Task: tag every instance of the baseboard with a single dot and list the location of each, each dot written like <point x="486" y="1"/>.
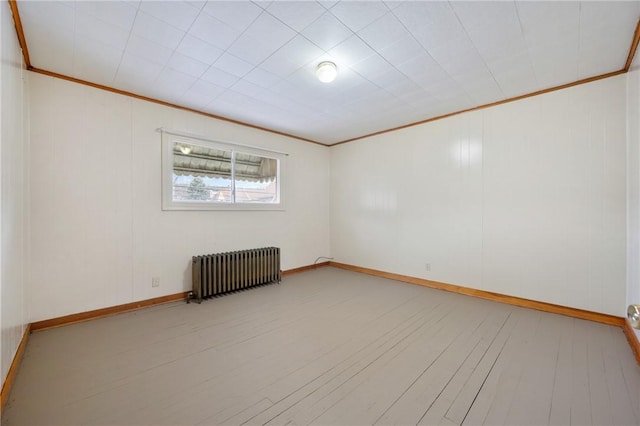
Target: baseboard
<point x="104" y="312"/>
<point x="496" y="297"/>
<point x="632" y="337"/>
<point x="11" y="375"/>
<point x="304" y="268"/>
<point x="127" y="307"/>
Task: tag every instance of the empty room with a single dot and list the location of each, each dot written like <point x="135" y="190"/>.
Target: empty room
<point x="319" y="212"/>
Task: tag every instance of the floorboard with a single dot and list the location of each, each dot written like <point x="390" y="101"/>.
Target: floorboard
<point x="330" y="347"/>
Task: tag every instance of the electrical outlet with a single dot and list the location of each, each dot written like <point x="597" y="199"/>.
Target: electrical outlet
<point x="155" y="282"/>
<point x="427" y="267"/>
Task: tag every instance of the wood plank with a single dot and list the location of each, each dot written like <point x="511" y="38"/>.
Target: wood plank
<point x="419" y="398"/>
<point x="622" y="402"/>
<point x="560" y="410"/>
<point x="365" y="397"/>
<point x="496" y="297"/>
<point x="457" y="397"/>
<point x="600" y="399"/>
<point x="531" y="400"/>
<point x="492" y="399"/>
<point x="580" y="403"/>
<point x="328" y="346"/>
<point x="312" y="400"/>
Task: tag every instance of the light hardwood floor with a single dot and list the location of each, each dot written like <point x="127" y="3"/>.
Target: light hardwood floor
<point x="329" y="347"/>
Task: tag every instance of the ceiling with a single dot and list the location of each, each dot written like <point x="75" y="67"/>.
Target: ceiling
<point x="398" y="62"/>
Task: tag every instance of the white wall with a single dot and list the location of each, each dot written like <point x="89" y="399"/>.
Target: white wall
<point x="524" y="199"/>
<point x="633" y="184"/>
<point x="98" y="232"/>
<point x="14" y="226"/>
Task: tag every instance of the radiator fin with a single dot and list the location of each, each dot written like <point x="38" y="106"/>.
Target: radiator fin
<point x="215" y="274"/>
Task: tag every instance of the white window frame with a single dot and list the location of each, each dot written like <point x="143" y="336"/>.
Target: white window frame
<point x="169" y="138"/>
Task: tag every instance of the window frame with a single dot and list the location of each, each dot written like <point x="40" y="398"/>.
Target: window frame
<point x="168" y="141"/>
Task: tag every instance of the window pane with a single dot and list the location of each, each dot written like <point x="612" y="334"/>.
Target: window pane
<point x="256" y="179"/>
<point x="201" y="174"/>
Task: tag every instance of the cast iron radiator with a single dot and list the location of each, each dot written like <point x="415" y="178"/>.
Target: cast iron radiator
<point x="220" y="273"/>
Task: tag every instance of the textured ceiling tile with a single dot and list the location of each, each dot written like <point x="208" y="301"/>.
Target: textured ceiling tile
<point x="90" y="27"/>
<point x="251" y="49"/>
<point x="233" y="65"/>
<point x="213" y="31"/>
<point x="544" y="22"/>
<point x="174" y="82"/>
<point x="121" y="14"/>
<point x="351" y="51"/>
<point x="392" y="4"/>
<point x="444" y="89"/>
<point x="219" y="77"/>
<point x="270" y="30"/>
<point x="405" y="86"/>
<point x="187" y="65"/>
<point x="136" y="72"/>
<point x="52" y="50"/>
<point x="457" y="55"/>
<point x="262" y="78"/>
<point x="51" y="16"/>
<point x="236" y="14"/>
<point x="297" y="15"/>
<point x="207" y="89"/>
<point x="234" y="98"/>
<point x="146" y="49"/>
<point x="300" y="51"/>
<point x="263" y="4"/>
<point x="372" y="66"/>
<point x="358" y="14"/>
<point x="397" y="61"/>
<point x="278" y="65"/>
<point x="327" y="32"/>
<point x="431" y="23"/>
<point x="328" y="3"/>
<point x="103" y="63"/>
<point x="516" y="67"/>
<point x="402" y="51"/>
<point x="158" y="31"/>
<point x="480" y="16"/>
<point x="595" y="13"/>
<point x="416" y="97"/>
<point x="252" y="90"/>
<point x="198" y="49"/>
<point x="195" y="99"/>
<point x="498" y="45"/>
<point x="175" y="13"/>
<point x="384" y="32"/>
<point x="388" y="78"/>
<point x="422" y="67"/>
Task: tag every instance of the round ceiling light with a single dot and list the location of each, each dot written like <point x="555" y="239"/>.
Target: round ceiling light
<point x="326" y="71"/>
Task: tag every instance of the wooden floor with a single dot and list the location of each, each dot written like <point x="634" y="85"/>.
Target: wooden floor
<point x="329" y="347"/>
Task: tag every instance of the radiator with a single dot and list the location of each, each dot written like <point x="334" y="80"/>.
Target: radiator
<point x="220" y="273"/>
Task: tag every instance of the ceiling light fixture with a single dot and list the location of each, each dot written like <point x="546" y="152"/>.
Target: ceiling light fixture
<point x="326" y="71"/>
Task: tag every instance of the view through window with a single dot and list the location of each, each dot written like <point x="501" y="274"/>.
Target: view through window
<point x="207" y="174"/>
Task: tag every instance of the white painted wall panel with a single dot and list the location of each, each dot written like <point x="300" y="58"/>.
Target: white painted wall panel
<point x="99" y="234"/>
<point x="525" y="199"/>
<point x="633" y="184"/>
<point x="14" y="226"/>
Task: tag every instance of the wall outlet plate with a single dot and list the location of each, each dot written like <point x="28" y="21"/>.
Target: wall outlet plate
<point x="155" y="282"/>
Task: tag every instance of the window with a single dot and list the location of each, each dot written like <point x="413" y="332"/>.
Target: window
<point x="199" y="174"/>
